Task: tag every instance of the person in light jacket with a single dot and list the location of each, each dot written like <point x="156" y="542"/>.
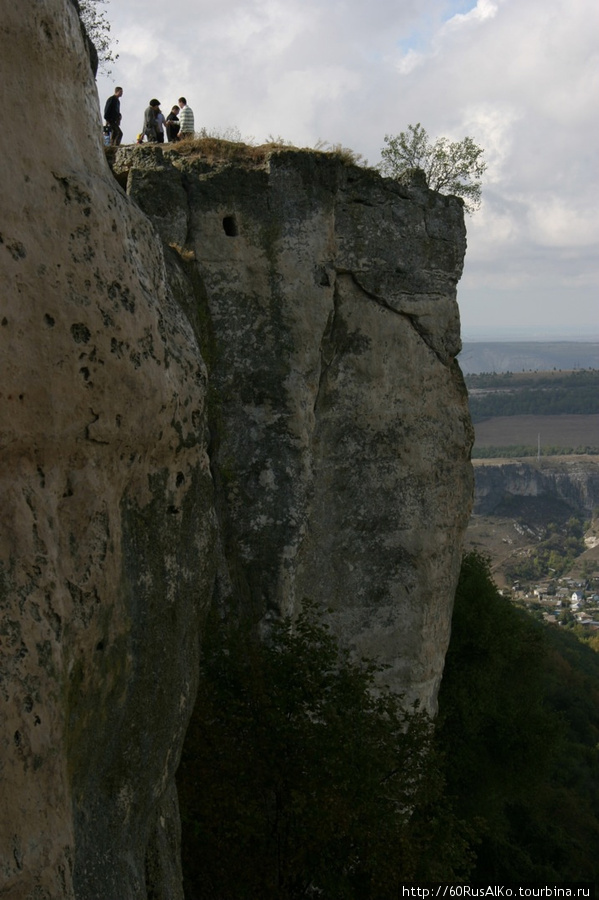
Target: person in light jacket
<point x="150" y="124"/>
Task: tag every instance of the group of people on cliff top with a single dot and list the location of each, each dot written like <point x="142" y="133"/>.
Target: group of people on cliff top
<point x="177" y="126"/>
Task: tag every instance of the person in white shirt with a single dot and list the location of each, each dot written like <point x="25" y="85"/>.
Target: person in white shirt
<point x="186" y="123"/>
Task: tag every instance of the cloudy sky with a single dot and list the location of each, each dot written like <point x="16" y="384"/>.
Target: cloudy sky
<point x="521" y="77"/>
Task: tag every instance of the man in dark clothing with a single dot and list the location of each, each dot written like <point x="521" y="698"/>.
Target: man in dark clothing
<point x="172" y="124"/>
<point x="112" y="116"/>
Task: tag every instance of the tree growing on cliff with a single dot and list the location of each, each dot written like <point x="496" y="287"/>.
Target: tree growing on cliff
<point x="98" y="30"/>
<point x="451" y="167"/>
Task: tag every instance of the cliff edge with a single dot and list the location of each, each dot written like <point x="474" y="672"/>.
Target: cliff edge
<point x="233" y="383"/>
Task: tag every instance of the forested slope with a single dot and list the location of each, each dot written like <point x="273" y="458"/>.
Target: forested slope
<point x="297" y="781"/>
<point x="519" y="713"/>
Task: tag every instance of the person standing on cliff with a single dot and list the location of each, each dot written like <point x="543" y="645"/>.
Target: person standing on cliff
<point x="150" y="125"/>
<point x="160" y="122"/>
<point x="186" y="123"/>
<point x="112" y="116"/>
<point x="172" y="124"/>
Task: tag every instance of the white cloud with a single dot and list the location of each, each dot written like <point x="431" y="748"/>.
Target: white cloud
<point x="556" y="223"/>
<point x="484" y="9"/>
<point x="519" y="76"/>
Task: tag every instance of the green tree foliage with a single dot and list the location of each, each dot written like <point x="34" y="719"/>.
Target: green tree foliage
<point x="98" y="30"/>
<point x="451" y="167"/>
<point x="299" y="779"/>
<point x="519" y="718"/>
<point x="572" y="381"/>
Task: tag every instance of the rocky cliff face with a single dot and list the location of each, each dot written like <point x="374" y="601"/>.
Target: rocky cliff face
<point x="576" y="482"/>
<point x="106" y="497"/>
<point x="234" y="385"/>
<point x="339" y="434"/>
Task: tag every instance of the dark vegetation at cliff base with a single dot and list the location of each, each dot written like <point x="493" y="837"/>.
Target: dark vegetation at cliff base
<point x="519" y="722"/>
<point x="298" y="781"/>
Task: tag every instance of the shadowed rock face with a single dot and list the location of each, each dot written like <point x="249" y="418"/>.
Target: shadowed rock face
<point x="105" y="495"/>
<point x="235" y="384"/>
<point x="340" y="431"/>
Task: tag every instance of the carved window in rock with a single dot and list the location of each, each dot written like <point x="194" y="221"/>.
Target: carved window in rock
<point x="230" y="226"/>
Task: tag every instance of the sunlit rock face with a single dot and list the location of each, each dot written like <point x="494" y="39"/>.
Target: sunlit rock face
<point x="234" y="383"/>
<point x="105" y="495"/>
<point x="340" y="430"/>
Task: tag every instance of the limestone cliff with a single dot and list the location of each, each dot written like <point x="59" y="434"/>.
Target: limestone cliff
<point x="106" y="499"/>
<point x="235" y="384"/>
<point x="340" y="434"/>
<point x="574" y="481"/>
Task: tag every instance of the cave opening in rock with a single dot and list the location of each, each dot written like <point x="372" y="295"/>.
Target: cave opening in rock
<point x="230" y="226"/>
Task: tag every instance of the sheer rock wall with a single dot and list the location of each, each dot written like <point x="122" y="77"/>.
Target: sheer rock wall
<point x="105" y="495"/>
<point x="236" y="383"/>
<point x="340" y="433"/>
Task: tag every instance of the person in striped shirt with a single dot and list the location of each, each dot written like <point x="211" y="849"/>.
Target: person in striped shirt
<point x="186" y="124"/>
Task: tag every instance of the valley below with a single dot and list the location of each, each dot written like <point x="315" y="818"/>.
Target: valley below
<point x="513" y="531"/>
<point x="536" y="465"/>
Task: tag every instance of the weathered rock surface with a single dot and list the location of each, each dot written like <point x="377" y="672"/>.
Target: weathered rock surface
<point x="249" y="395"/>
<point x="105" y="495"/>
<point x="574" y="481"/>
<point x="340" y="433"/>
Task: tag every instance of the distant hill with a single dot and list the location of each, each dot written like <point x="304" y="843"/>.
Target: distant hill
<point x="524" y="356"/>
<point x="552" y="393"/>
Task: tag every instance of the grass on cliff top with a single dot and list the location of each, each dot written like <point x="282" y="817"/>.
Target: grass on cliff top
<point x="216" y="149"/>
